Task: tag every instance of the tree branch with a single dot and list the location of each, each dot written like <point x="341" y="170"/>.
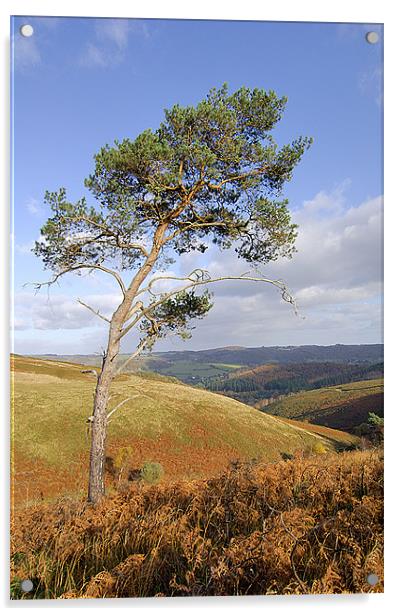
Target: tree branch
<point x="241" y="176"/>
<point x="107" y="232"/>
<point x="192" y="225"/>
<point x="197" y="278"/>
<point x="120" y="404"/>
<point x="200" y="277"/>
<point x="96" y="312"/>
<point x="76" y="267"/>
<point x="138" y="350"/>
<point x="195" y="275"/>
<point x="143" y="311"/>
<point x="285" y="293"/>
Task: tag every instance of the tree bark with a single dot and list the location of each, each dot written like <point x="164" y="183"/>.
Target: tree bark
<point x="99" y="425"/>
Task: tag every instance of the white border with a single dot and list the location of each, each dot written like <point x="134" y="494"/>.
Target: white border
<point x="308" y="10"/>
<point x="290" y="10"/>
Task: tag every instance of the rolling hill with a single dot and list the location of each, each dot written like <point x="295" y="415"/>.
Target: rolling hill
<point x="191" y="432"/>
<point x="259" y="385"/>
<point x="341" y="407"/>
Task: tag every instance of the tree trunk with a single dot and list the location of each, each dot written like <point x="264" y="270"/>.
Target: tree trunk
<point x="99" y="424"/>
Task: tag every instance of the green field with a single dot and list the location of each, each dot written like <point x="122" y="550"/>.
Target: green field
<point x="193" y="371"/>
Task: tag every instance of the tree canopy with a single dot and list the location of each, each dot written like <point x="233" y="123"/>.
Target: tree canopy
<point x="210" y="173"/>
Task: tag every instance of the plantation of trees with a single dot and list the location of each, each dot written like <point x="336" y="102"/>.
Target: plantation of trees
<point x="249" y="386"/>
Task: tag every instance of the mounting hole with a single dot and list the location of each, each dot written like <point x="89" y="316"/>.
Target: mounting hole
<point x="26" y="30"/>
<point x="372" y="579"/>
<point x="26" y="585"/>
<point x="372" y="37"/>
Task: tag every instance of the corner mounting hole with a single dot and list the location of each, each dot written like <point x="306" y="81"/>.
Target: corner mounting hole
<point x="372" y="37"/>
<point x="372" y="579"/>
<point x="26" y="30"/>
<point x="26" y="585"/>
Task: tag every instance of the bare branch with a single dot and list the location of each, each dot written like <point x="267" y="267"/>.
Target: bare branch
<point x="132" y="324"/>
<point x="195" y="275"/>
<point x="76" y="267"/>
<point x="202" y="277"/>
<point x="91" y="418"/>
<point x="196" y="278"/>
<point x="96" y="312"/>
<point x="120" y="404"/>
<point x="137" y="352"/>
<point x="138" y="395"/>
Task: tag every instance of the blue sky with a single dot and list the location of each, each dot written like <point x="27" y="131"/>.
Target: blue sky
<point x="80" y="83"/>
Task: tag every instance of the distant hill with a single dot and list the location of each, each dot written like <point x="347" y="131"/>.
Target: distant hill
<point x="195" y="367"/>
<point x="372" y="353"/>
<point x="342" y="407"/>
<point x="259" y="385"/>
<point x="191" y="432"/>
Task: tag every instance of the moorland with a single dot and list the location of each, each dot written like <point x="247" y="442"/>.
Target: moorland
<point x="205" y="494"/>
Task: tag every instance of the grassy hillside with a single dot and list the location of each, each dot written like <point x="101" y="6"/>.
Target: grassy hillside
<point x="191" y="432"/>
<point x="343" y="407"/>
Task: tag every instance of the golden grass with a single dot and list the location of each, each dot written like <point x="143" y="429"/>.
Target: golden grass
<point x="309" y="525"/>
<point x="192" y="432"/>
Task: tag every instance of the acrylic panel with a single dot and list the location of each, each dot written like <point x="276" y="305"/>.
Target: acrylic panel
<point x="197" y="349"/>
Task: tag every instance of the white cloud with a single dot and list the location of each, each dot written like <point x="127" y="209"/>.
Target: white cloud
<point x="77" y="237"/>
<point x="318" y="295"/>
<point x="336" y="277"/>
<point x="111" y="39"/>
<point x="326" y="204"/>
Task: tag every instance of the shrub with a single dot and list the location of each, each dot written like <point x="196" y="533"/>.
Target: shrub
<point x="375" y="420"/>
<point x="319" y="448"/>
<point x="152" y="472"/>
